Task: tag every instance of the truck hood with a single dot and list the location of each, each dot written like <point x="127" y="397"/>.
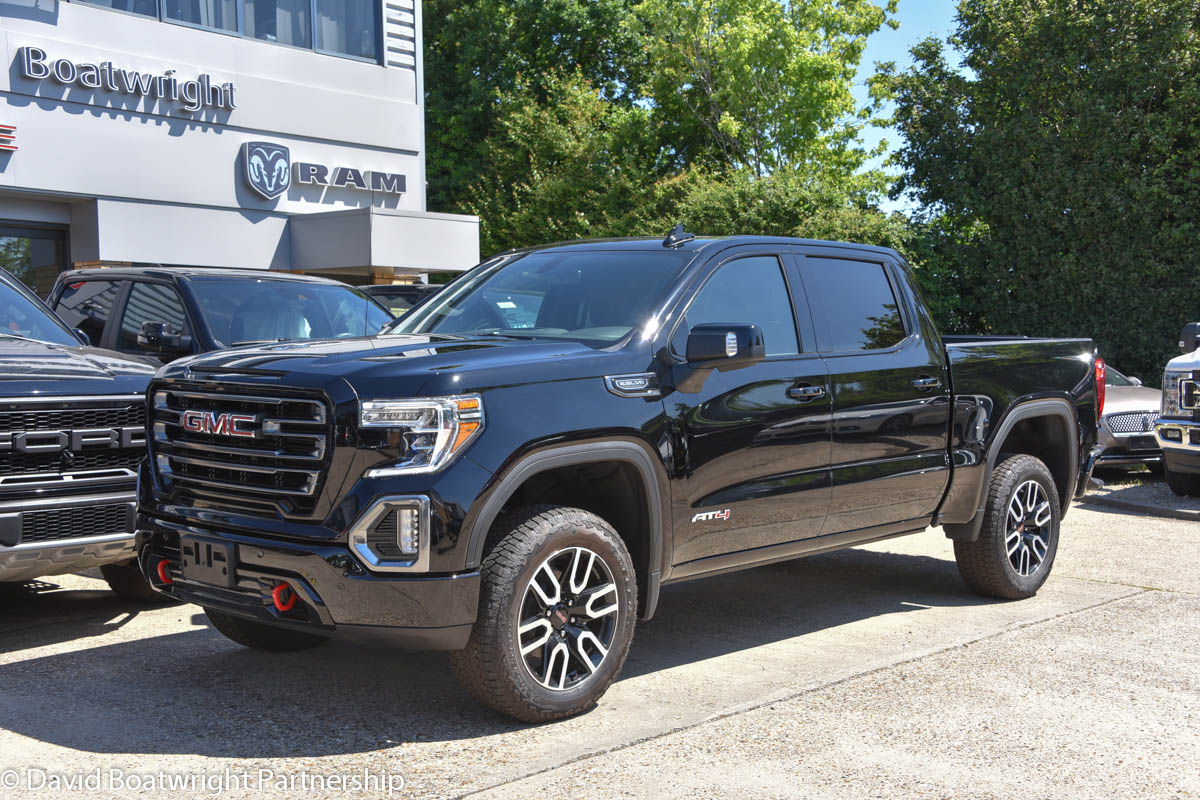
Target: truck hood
<point x="1124" y="399"/>
<point x="402" y="365"/>
<point x="1186" y="361"/>
<point x="30" y="368"/>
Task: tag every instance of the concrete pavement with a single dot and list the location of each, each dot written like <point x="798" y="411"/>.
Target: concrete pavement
<point x="869" y="672"/>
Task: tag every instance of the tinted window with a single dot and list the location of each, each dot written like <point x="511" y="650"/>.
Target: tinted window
<point x="220" y="15"/>
<point x="749" y="290"/>
<point x="852" y="304"/>
<point x="150" y="302"/>
<point x="593" y="297"/>
<point x="347" y="26"/>
<point x="21" y="315"/>
<point x="246" y="310"/>
<point x="148" y="8"/>
<point x="283" y="21"/>
<point x="87" y="305"/>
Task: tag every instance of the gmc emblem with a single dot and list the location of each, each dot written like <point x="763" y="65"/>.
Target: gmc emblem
<point x="220" y="424"/>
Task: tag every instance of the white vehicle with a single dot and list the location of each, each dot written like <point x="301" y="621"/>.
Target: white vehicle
<point x="1178" y="426"/>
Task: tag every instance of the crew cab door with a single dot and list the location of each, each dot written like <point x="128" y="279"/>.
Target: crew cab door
<point x="752" y="443"/>
<point x="890" y="387"/>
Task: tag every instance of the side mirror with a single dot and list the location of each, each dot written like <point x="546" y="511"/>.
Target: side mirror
<point x="725" y="346"/>
<point x="1134" y="381"/>
<point x="1189" y="339"/>
<point x="154" y="336"/>
<point x="83" y="338"/>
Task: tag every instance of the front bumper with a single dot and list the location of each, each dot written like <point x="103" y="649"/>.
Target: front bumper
<point x="335" y="595"/>
<point x="81" y="532"/>
<point x="1180" y="442"/>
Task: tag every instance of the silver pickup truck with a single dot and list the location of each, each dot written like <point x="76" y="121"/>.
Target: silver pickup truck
<point x="1178" y="426"/>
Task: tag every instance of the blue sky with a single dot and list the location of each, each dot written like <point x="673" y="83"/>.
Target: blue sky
<point x="918" y="19"/>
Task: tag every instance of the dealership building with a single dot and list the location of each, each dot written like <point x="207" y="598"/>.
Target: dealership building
<point x="273" y="134"/>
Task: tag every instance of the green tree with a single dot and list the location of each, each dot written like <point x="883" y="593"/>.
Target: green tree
<point x="480" y="51"/>
<point x="759" y="84"/>
<point x="1058" y="170"/>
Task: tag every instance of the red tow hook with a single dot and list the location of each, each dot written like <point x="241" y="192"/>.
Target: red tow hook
<point x="283" y="597"/>
<point x="163" y="570"/>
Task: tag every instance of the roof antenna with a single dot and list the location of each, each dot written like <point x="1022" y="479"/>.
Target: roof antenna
<point x="677" y="236"/>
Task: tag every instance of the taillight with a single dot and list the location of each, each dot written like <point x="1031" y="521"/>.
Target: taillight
<point x="1100" y="384"/>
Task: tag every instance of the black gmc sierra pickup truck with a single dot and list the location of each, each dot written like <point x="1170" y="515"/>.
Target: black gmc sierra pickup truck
<point x="72" y="433"/>
<point x="517" y="466"/>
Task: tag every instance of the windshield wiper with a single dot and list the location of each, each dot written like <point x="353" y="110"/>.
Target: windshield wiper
<point x="502" y="332"/>
<point x="259" y="341"/>
<point x="11" y="335"/>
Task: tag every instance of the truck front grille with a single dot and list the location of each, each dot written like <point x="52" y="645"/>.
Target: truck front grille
<point x="81" y="522"/>
<point x="251" y="453"/>
<point x="1132" y="422"/>
<point x="70" y="444"/>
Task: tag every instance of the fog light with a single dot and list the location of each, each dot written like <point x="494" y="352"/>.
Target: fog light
<point x="393" y="534"/>
<point x="1172" y="434"/>
<point x="408" y="530"/>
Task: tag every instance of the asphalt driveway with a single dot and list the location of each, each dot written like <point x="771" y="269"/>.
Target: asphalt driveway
<point x="870" y="672"/>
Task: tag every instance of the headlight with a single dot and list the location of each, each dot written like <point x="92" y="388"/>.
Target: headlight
<point x="1170" y="393"/>
<point x="431" y="429"/>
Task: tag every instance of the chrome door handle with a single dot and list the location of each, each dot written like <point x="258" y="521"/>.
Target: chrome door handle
<point x="925" y="384"/>
<point x="806" y="393"/>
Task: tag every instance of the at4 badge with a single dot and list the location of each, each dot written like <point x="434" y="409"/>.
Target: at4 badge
<point x="711" y="515"/>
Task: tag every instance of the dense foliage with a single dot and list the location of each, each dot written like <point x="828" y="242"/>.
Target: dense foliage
<point x="1058" y="171"/>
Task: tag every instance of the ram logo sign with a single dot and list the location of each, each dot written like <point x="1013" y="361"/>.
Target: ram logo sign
<point x="268" y="168"/>
<point x="711" y="515"/>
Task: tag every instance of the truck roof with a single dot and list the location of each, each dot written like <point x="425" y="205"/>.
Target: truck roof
<point x="695" y="244"/>
<point x="159" y="271"/>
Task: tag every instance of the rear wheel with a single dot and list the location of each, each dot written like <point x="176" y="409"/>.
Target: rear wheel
<point x="259" y="635"/>
<point x="557" y="608"/>
<point x="127" y="582"/>
<point x="1018" y="540"/>
<point x="1184" y="484"/>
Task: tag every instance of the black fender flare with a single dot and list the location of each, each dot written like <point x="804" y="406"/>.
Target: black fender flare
<point x="574" y="455"/>
<point x="1046" y="407"/>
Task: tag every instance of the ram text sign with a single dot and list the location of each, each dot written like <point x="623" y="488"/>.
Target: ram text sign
<point x="268" y="170"/>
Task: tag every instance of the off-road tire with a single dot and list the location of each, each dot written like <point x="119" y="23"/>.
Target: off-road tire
<point x="491" y="667"/>
<point x="261" y="636"/>
<point x="1184" y="484"/>
<point x="984" y="563"/>
<point x="126" y="580"/>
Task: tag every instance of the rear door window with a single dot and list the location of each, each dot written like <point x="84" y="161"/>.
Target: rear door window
<point x="87" y="305"/>
<point x="150" y="302"/>
<point x="853" y="305"/>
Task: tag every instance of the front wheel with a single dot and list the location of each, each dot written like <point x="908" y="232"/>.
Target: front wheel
<point x="1018" y="540"/>
<point x="1184" y="484"/>
<point x="557" y="608"/>
<point x="259" y="635"/>
<point x="127" y="582"/>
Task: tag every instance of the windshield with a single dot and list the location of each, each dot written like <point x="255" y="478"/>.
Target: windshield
<point x="1114" y="378"/>
<point x="593" y="297"/>
<point x="247" y="310"/>
<point x="22" y="316"/>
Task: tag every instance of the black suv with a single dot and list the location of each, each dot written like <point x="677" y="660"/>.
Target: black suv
<point x="168" y="312"/>
<point x="72" y="433"/>
<point x="517" y="466"/>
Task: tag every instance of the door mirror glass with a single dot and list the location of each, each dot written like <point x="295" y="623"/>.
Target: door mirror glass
<point x="724" y="346"/>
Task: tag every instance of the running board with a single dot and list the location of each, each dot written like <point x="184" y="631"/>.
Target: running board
<point x="743" y="559"/>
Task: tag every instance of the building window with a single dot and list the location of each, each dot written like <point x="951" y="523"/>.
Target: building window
<point x="219" y="15"/>
<point x="147" y="8"/>
<point x="348" y="27"/>
<point x="34" y="255"/>
<point x="282" y="21"/>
